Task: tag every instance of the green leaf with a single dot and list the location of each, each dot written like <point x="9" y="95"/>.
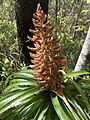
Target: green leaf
<point x="26" y="108"/>
<point x="73" y="113"/>
<point x="82" y="95"/>
<point x="86" y="87"/>
<point x="12" y="88"/>
<point x="8" y="115"/>
<point x="34" y="109"/>
<point x="78" y="109"/>
<point x="16" y="99"/>
<point x="58" y="108"/>
<point x="17" y="83"/>
<point x="51" y="113"/>
<point x="67" y="111"/>
<point x="41" y="116"/>
<point x="23" y="81"/>
<point x="30" y="71"/>
<point x="23" y="75"/>
<point x="76" y="74"/>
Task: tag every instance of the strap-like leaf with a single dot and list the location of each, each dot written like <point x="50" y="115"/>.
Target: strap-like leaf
<point x="79" y="110"/>
<point x="16" y="99"/>
<point x="41" y="116"/>
<point x="76" y="74"/>
<point x="51" y="113"/>
<point x="25" y="110"/>
<point x="82" y="95"/>
<point x="34" y="109"/>
<point x="23" y="75"/>
<point x="58" y="108"/>
<point x="17" y="83"/>
<point x="30" y="71"/>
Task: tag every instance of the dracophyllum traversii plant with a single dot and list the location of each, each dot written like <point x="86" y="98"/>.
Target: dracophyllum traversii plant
<point x="46" y="91"/>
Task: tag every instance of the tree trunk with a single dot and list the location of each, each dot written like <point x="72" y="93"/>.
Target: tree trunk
<point x="84" y="57"/>
<point x="24" y="10"/>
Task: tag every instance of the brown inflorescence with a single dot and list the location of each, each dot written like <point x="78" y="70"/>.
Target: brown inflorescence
<point x="48" y="62"/>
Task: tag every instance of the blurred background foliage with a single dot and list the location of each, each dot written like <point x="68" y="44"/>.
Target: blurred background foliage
<point x="71" y="23"/>
<point x="8" y="41"/>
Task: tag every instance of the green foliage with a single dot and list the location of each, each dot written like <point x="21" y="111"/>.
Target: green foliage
<point x="22" y="99"/>
<point x="71" y="26"/>
<point x="8" y="42"/>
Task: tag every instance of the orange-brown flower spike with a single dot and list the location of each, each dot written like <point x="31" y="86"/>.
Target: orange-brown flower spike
<point x="48" y="63"/>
